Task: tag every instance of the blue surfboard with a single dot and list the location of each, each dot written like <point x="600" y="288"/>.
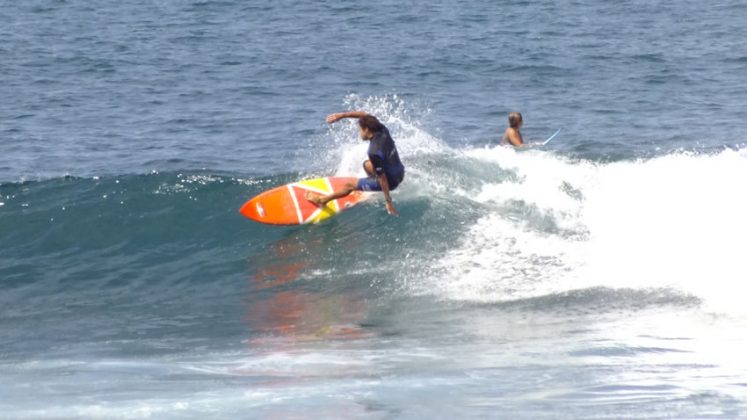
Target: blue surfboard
<point x="530" y="146"/>
<point x="551" y="137"/>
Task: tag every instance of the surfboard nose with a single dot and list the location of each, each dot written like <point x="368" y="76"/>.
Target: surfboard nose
<point x="254" y="210"/>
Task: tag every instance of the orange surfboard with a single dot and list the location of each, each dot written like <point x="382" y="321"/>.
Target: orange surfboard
<point x="286" y="205"/>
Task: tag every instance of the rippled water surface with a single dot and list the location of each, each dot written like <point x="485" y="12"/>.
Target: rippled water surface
<point x="600" y="276"/>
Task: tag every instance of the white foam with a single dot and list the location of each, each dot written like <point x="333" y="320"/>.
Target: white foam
<point x="411" y="140"/>
<point x="676" y="221"/>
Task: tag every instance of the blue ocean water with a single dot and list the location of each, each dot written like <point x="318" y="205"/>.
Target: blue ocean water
<point x="599" y="277"/>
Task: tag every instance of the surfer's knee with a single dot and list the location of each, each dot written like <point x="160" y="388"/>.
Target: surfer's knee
<point x="368" y="167"/>
<point x="350" y="187"/>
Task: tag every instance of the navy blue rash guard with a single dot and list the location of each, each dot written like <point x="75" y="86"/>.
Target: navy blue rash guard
<point x="385" y="159"/>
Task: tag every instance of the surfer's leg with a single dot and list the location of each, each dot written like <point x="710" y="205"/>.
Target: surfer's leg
<point x="367" y="184"/>
<point x="324" y="199"/>
<point x="371" y="183"/>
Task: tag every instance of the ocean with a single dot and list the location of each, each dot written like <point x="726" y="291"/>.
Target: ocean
<point x="598" y="277"/>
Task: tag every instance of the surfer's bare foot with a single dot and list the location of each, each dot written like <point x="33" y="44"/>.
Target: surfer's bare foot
<point x="314" y="198"/>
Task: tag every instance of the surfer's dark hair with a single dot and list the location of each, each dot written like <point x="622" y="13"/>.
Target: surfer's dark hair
<point x="514" y="119"/>
<point x="370" y="123"/>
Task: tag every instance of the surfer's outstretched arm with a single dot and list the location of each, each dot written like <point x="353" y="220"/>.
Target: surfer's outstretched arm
<point x="332" y="118"/>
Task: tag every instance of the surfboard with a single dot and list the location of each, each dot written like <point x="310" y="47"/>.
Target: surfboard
<point x="538" y="145"/>
<point x="286" y="205"/>
<point x="551" y="137"/>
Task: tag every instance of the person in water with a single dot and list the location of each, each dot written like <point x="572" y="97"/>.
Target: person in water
<point x="512" y="135"/>
<point x="385" y="170"/>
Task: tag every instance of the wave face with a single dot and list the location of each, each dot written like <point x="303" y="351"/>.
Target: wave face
<point x="519" y="223"/>
<point x="152" y="284"/>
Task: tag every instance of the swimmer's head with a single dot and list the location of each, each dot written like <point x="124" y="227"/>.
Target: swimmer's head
<point x="515" y="120"/>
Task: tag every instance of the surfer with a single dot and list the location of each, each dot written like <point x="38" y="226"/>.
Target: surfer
<point x="383" y="167"/>
<point x="512" y="135"/>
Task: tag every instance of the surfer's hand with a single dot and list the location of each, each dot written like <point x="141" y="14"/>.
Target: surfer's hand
<point x="390" y="209"/>
<point x="332" y="118"/>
